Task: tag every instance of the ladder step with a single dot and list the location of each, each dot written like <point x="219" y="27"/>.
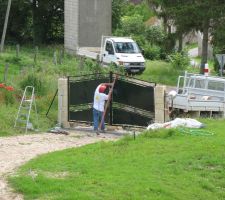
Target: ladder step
<point x="23" y="115"/>
<point x="21" y="121"/>
<point x="27" y="100"/>
<point x="22" y="127"/>
<point x="25" y="107"/>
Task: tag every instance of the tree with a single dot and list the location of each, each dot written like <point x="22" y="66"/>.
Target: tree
<point x="117" y="13"/>
<point x="192" y="15"/>
<point x="37" y="20"/>
<point x="47" y="20"/>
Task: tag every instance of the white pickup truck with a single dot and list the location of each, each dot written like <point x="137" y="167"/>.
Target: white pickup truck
<point x="118" y="51"/>
<point x="199" y="94"/>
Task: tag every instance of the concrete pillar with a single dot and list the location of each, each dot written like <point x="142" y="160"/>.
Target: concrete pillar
<point x="161" y="114"/>
<point x="63" y="103"/>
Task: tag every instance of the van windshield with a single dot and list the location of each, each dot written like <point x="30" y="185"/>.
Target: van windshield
<point x="126" y="47"/>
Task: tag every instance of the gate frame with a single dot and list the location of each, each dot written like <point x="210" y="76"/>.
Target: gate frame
<point x="161" y="112"/>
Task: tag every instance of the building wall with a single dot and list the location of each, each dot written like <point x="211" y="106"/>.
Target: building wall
<point x="85" y="22"/>
<point x="71" y="24"/>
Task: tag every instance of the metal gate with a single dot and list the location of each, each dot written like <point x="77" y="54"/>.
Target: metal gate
<point x="132" y="101"/>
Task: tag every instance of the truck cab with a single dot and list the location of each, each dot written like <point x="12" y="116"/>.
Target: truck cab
<point x="122" y="52"/>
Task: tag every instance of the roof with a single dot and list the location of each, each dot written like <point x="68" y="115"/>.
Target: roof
<point x="121" y="39"/>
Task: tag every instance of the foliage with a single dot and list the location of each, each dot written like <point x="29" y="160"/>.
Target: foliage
<point x="7" y="95"/>
<point x="118" y="70"/>
<point x="138" y="9"/>
<point x="23" y="71"/>
<point x="152" y="52"/>
<point x="117" y="13"/>
<point x="91" y="66"/>
<point x="199" y="18"/>
<point x="36" y="81"/>
<point x="41" y="21"/>
<point x="179" y="60"/>
<point x="218" y="39"/>
<point x="132" y="25"/>
<point x="163" y="164"/>
<point x="155" y="35"/>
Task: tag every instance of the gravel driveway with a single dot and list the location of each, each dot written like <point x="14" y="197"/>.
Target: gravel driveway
<point x="15" y="151"/>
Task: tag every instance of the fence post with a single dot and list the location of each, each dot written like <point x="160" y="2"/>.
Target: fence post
<point x="55" y="58"/>
<point x="61" y="55"/>
<point x="35" y="54"/>
<point x="81" y="62"/>
<point x="17" y="50"/>
<point x="6" y="72"/>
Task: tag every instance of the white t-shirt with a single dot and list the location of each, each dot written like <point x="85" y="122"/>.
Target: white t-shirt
<point x="99" y="100"/>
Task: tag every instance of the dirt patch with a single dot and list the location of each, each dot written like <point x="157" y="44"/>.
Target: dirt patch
<point x="15" y="151"/>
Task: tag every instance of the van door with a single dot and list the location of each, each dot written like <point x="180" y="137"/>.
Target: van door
<point x="109" y="53"/>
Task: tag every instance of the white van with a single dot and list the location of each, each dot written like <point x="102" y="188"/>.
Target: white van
<point x="119" y="51"/>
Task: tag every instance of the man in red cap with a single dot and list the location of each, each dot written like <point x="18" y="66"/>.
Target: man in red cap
<point x="98" y="106"/>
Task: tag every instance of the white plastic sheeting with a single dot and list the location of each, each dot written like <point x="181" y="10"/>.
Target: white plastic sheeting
<point x="184" y="122"/>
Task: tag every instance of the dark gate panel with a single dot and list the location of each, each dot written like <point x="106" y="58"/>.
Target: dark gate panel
<point x="80" y="96"/>
<point x="132" y="102"/>
<point x="134" y="94"/>
<point x="122" y="117"/>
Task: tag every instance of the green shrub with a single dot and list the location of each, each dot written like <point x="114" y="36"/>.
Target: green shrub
<point x="36" y="81"/>
<point x="9" y="97"/>
<point x="179" y="60"/>
<point x="155" y="35"/>
<point x="117" y="69"/>
<point x="7" y="94"/>
<point x="91" y="66"/>
<point x="152" y="52"/>
<point x="132" y="25"/>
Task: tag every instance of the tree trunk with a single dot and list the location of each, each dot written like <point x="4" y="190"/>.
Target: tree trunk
<point x="38" y="26"/>
<point x="165" y="24"/>
<point x="180" y="42"/>
<point x="205" y="45"/>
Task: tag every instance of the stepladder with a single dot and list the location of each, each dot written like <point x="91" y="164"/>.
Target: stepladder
<point x="26" y="108"/>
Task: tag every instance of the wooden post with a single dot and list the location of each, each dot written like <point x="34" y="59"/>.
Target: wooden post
<point x="6" y="72"/>
<point x="81" y="62"/>
<point x="35" y="54"/>
<point x="17" y="50"/>
<point x="55" y="58"/>
<point x="61" y="56"/>
<point x="5" y="25"/>
<point x="108" y="101"/>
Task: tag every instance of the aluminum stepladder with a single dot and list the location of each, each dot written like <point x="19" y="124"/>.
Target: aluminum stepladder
<point x="23" y="115"/>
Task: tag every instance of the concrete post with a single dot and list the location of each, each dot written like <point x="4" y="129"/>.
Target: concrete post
<point x="161" y="114"/>
<point x="63" y="103"/>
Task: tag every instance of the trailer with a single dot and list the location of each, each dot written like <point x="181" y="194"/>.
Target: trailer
<point x="198" y="95"/>
<point x="117" y="51"/>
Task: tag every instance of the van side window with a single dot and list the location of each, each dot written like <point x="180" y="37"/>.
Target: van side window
<point x="109" y="48"/>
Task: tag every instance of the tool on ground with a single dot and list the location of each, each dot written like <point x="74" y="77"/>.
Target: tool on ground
<point x="108" y="101"/>
<point x="24" y="112"/>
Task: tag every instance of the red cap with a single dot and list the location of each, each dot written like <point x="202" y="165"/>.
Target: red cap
<point x="102" y="89"/>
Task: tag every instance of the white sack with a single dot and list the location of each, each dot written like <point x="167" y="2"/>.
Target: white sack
<point x="184" y="122"/>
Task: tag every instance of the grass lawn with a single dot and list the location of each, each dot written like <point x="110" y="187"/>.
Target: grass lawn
<point x="161" y="165"/>
<point x="162" y="72"/>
